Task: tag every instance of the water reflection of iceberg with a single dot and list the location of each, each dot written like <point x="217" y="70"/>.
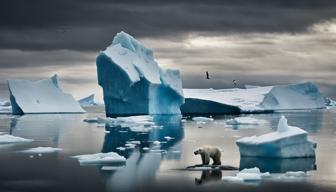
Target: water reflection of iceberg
<point x="43" y="127"/>
<point x="141" y="165"/>
<point x="273" y="165"/>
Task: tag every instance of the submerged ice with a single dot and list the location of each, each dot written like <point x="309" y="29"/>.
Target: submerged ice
<point x="132" y="81"/>
<point x="44" y="96"/>
<point x="285" y="142"/>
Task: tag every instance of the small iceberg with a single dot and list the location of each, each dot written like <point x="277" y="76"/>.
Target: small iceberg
<point x="39" y="150"/>
<point x="243" y="121"/>
<point x="8" y="139"/>
<point x="87" y="101"/>
<point x="286" y="142"/>
<point x="110" y="158"/>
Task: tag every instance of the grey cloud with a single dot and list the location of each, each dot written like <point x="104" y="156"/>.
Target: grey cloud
<point x="89" y="25"/>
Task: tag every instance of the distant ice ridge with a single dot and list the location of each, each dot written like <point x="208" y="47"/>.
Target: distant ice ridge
<point x="254" y="99"/>
<point x="286" y="142"/>
<point x="39" y="150"/>
<point x="132" y="81"/>
<point x="110" y="158"/>
<point x="8" y="139"/>
<point x="87" y="101"/>
<point x="44" y="96"/>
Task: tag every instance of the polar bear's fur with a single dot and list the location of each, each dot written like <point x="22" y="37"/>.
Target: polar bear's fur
<point x="208" y="152"/>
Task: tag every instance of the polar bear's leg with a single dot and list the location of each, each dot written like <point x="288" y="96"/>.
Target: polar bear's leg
<point x="205" y="159"/>
<point x="217" y="158"/>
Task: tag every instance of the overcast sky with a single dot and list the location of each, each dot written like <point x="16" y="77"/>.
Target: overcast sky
<point x="258" y="42"/>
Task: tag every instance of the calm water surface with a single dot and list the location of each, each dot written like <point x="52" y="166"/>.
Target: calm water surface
<point x="157" y="171"/>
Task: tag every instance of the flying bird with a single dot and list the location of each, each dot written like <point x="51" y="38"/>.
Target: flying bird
<point x="234" y="83"/>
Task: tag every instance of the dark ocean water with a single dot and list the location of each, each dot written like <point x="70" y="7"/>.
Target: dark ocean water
<point x="158" y="171"/>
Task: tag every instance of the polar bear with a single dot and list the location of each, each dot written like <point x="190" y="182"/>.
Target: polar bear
<point x="208" y="152"/>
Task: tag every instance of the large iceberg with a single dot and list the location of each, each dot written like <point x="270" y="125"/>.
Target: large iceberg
<point x="132" y="81"/>
<point x="44" y="96"/>
<point x="285" y="142"/>
<point x="254" y="99"/>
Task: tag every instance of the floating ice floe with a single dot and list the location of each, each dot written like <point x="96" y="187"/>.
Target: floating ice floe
<point x="296" y="174"/>
<point x="202" y="119"/>
<point x="256" y="99"/>
<point x="91" y="120"/>
<point x="44" y="96"/>
<point x="39" y="150"/>
<point x="156" y="142"/>
<point x="101" y="159"/>
<point x="168" y="138"/>
<point x="121" y="148"/>
<point x="243" y="121"/>
<point x="142" y="123"/>
<point x="132" y="81"/>
<point x="8" y="139"/>
<point x="286" y="142"/>
<point x="330" y="102"/>
<point x="252" y="174"/>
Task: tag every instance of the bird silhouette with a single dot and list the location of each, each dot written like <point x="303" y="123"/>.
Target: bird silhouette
<point x="234" y="83"/>
<point x="207" y="75"/>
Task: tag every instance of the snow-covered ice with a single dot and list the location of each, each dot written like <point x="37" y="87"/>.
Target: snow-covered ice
<point x="254" y="99"/>
<point x="39" y="150"/>
<point x="243" y="121"/>
<point x="100" y="159"/>
<point x="44" y="96"/>
<point x="8" y="139"/>
<point x="296" y="96"/>
<point x="87" y="101"/>
<point x="251" y="174"/>
<point x="132" y="81"/>
<point x="286" y="142"/>
<point x="141" y="123"/>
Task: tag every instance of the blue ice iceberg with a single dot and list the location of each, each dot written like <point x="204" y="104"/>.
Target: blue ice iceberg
<point x="132" y="81"/>
<point x="286" y="142"/>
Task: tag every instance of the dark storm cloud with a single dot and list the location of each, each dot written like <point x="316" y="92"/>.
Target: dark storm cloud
<point x="90" y="24"/>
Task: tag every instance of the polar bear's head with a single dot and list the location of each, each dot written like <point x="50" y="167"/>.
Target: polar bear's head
<point x="199" y="151"/>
